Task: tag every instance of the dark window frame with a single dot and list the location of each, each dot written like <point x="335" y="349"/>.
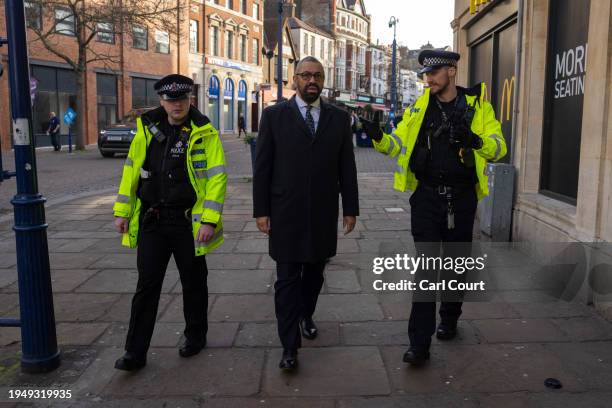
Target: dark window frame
<point x="36" y="9"/>
<point x="64" y="20"/>
<point x="111" y="33"/>
<point x="144" y="36"/>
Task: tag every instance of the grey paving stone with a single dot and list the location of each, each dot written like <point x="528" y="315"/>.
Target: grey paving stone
<point x="9" y="335"/>
<point x="96" y="402"/>
<point x="109" y="245"/>
<point x="338" y="281"/>
<point x="120" y="311"/>
<point x="8" y="277"/>
<point x="266" y="335"/>
<point x="8" y="260"/>
<point x="257" y="246"/>
<point x="73" y="234"/>
<point x="347" y="246"/>
<point x="70" y="307"/>
<point x="348" y="308"/>
<point x="323" y="372"/>
<point x="478" y="368"/>
<point x="77" y="245"/>
<point x="590" y="362"/>
<point x="384" y="224"/>
<point x="115" y="261"/>
<point x="221" y="334"/>
<point x="66" y="280"/>
<point x="236" y="281"/>
<point x="243" y="308"/>
<point x="236" y="261"/>
<point x="266" y="402"/>
<point x="518" y="330"/>
<point x="414" y="401"/>
<point x="173" y="312"/>
<point x="396" y="306"/>
<point x="73" y="260"/>
<point x="79" y="334"/>
<point x="552" y="309"/>
<point x="120" y="281"/>
<point x="218" y="372"/>
<point x="488" y="310"/>
<point x="585" y="328"/>
<point x="566" y="399"/>
<point x="267" y="262"/>
<point x="164" y="335"/>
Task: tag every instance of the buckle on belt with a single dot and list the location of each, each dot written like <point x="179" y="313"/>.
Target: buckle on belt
<point x="442" y="190"/>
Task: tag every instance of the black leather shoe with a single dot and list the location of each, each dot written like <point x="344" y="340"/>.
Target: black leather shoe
<point x="308" y="328"/>
<point x="446" y="331"/>
<point x="130" y="362"/>
<point x="289" y="361"/>
<point x="416" y="358"/>
<point x="191" y="349"/>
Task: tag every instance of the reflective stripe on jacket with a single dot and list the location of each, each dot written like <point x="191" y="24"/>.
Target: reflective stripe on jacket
<point x="402" y="141"/>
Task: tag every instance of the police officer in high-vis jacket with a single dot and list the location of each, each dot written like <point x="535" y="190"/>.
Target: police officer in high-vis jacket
<point x="170" y="203"/>
<point x="443" y="144"/>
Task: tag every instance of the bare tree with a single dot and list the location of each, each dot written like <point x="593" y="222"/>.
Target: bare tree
<point x="87" y="20"/>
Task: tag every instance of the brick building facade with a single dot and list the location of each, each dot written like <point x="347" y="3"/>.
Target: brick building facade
<point x="111" y="89"/>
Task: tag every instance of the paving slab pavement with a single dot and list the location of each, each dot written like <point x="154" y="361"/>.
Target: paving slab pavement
<point x="505" y="350"/>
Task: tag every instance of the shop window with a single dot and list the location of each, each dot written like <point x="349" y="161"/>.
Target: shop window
<point x="564" y="96"/>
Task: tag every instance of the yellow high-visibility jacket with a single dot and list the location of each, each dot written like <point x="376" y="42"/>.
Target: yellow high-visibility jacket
<point x="206" y="168"/>
<point x="401" y="142"/>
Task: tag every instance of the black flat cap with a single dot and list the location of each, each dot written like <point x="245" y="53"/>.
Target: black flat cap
<point x="434" y="59"/>
<point x="174" y="87"/>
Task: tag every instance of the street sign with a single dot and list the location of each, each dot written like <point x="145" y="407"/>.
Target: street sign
<point x="69" y="116"/>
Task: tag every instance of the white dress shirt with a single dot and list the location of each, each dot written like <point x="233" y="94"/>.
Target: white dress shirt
<point x="315" y="111"/>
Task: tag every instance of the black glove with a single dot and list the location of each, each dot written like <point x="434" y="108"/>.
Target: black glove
<point x="372" y="129"/>
<point x="463" y="137"/>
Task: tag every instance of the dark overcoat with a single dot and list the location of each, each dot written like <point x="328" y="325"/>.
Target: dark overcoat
<point x="298" y="179"/>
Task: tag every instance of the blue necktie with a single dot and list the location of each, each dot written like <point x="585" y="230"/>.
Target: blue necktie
<point x="310" y="121"/>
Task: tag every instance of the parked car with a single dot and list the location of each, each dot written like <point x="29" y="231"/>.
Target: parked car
<point x="117" y="138"/>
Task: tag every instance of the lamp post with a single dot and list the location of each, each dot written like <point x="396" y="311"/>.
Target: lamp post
<point x="393" y="23"/>
<point x="37" y="320"/>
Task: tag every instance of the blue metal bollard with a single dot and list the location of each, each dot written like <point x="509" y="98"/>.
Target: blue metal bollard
<point x="69" y="140"/>
<point x="38" y="336"/>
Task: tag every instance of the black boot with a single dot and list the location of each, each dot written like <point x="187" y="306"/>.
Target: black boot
<point x="308" y="328"/>
<point x="289" y="361"/>
<point x="446" y="331"/>
<point x="131" y="362"/>
<point x="191" y="348"/>
<point x="416" y="357"/>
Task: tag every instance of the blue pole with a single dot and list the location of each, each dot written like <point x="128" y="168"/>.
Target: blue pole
<point x="38" y="336"/>
<point x="69" y="139"/>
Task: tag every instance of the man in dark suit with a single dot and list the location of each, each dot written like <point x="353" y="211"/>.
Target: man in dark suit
<point x="304" y="161"/>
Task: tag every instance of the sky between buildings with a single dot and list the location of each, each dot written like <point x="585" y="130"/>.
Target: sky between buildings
<point x="420" y="21"/>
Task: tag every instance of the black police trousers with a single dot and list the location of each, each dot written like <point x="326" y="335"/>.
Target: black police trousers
<point x="157" y="242"/>
<point x="433" y="238"/>
<point x="296" y="291"/>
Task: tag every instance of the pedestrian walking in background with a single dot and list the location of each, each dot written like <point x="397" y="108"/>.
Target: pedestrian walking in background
<point x="241" y="125"/>
<point x="53" y="131"/>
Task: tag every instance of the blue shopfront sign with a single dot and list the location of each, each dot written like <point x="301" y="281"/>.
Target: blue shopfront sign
<point x="213" y="88"/>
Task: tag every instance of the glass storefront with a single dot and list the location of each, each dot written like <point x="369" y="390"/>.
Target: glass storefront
<point x="106" y="90"/>
<point x="213" y="101"/>
<point x="564" y="95"/>
<point x="242" y="105"/>
<point x="56" y="92"/>
<point x="228" y="105"/>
